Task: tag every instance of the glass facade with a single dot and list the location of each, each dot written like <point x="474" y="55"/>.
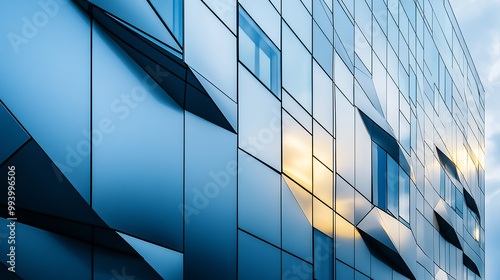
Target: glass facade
<point x="240" y="139"/>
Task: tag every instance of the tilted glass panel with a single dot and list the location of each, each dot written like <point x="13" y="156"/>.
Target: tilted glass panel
<point x="124" y="99"/>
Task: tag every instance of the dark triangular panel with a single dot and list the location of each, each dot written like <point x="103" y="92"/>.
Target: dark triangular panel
<point x="448" y="164"/>
<point x="13" y="135"/>
<point x="386" y="141"/>
<point x="8" y="275"/>
<point x="469" y="263"/>
<point x="388" y="256"/>
<point x="140" y="14"/>
<point x="447" y="231"/>
<point x="167" y="70"/>
<point x="42" y="188"/>
<point x="471" y="203"/>
<point x="204" y="107"/>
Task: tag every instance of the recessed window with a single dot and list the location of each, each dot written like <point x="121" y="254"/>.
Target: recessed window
<point x="390" y="185"/>
<point x="473" y="224"/>
<point x="258" y="53"/>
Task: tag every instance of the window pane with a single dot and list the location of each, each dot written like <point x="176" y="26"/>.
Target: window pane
<point x="258" y="53"/>
<point x="247" y="50"/>
<point x="171" y="13"/>
<point x="379" y="170"/>
<point x="392" y="186"/>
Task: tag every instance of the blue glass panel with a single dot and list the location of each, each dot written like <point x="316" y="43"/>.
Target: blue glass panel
<point x="167" y="263"/>
<point x="110" y="264"/>
<point x="210" y="47"/>
<point x="323" y="145"/>
<point x="323" y="183"/>
<point x="124" y="99"/>
<point x="294" y="268"/>
<point x="36" y="250"/>
<point x="404" y="196"/>
<point x="256" y="259"/>
<point x="299" y="20"/>
<point x="323" y="16"/>
<point x="344" y="199"/>
<point x="171" y="13"/>
<point x="258" y="53"/>
<point x="141" y="15"/>
<point x="16" y="134"/>
<point x="345" y="138"/>
<point x="57" y="120"/>
<point x="380" y="13"/>
<point x="323" y="256"/>
<point x="344" y="240"/>
<point x="296" y="228"/>
<point x="322" y="98"/>
<point x="379" y="176"/>
<point x="259" y="199"/>
<point x="225" y="10"/>
<point x="297" y="152"/>
<point x="297" y="68"/>
<point x="322" y="217"/>
<point x="360" y="276"/>
<point x="344" y="79"/>
<point x="264" y="15"/>
<point x="323" y="50"/>
<point x="392" y="186"/>
<point x="459" y="203"/>
<point x="364" y="19"/>
<point x="344" y="28"/>
<point x="259" y="120"/>
<point x="210" y="201"/>
<point x="344" y="272"/>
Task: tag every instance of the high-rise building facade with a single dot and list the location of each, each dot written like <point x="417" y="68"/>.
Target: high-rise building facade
<point x="250" y="139"/>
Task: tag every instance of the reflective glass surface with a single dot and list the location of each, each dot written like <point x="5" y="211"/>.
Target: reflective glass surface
<point x="258" y="53"/>
<point x="297" y="152"/>
<point x="297" y="68"/>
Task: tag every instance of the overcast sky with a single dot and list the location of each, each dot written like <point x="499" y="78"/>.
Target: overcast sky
<point x="480" y="26"/>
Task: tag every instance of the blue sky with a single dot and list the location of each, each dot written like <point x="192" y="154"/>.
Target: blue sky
<point x="480" y="26"/>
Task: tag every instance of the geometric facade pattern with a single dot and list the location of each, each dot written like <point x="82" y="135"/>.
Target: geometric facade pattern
<point x="240" y="139"/>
